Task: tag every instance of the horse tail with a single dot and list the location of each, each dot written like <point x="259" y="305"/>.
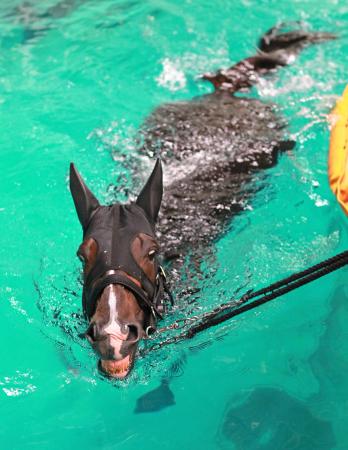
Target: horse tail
<point x="276" y="48"/>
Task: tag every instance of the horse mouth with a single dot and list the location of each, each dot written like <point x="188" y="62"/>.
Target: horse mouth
<point x="117" y="369"/>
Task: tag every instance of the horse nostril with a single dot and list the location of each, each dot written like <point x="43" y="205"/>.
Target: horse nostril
<point x="133" y="334"/>
<point x="92" y="332"/>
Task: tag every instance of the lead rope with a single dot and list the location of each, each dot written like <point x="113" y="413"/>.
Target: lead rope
<point x="275" y="290"/>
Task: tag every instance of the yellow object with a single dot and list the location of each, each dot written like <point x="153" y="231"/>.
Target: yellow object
<point x="338" y="154"/>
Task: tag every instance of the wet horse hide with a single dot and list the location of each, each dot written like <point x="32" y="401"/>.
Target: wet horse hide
<point x="211" y="147"/>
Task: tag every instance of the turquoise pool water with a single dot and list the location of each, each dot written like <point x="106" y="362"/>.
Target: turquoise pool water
<point x="77" y="78"/>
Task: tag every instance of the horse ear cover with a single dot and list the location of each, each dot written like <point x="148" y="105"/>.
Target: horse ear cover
<point x="85" y="201"/>
<point x="150" y="197"/>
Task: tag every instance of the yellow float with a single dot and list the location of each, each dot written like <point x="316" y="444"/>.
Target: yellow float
<point x="338" y="154"/>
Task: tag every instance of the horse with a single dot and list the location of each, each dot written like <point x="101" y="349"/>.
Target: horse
<point x="211" y="146"/>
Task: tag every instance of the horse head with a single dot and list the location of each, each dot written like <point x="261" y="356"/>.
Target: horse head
<point x="122" y="279"/>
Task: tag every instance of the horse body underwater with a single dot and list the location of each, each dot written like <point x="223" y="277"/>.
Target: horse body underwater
<point x="212" y="146"/>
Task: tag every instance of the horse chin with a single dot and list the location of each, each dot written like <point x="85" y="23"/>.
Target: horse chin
<point x="118" y="369"/>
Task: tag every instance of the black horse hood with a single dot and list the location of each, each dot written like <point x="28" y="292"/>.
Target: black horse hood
<point x="114" y="228"/>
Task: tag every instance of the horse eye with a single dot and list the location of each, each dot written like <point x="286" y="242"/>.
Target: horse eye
<point x="81" y="257"/>
<point x="151" y="254"/>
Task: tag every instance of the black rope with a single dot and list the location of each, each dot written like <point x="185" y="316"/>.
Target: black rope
<point x="302" y="274"/>
<point x="213" y="321"/>
<point x="275" y="290"/>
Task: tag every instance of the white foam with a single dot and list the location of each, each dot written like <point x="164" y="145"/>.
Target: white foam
<point x="171" y="77"/>
<point x="18" y="384"/>
<point x="300" y="83"/>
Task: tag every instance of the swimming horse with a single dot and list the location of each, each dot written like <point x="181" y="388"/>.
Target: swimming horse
<point x="211" y="146"/>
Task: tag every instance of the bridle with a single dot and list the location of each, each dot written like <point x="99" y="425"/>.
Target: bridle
<point x="150" y="298"/>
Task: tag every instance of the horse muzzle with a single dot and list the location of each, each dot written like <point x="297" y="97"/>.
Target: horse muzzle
<point x="116" y="346"/>
<point x="118" y="368"/>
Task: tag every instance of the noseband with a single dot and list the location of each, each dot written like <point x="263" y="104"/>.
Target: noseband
<point x="151" y="299"/>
